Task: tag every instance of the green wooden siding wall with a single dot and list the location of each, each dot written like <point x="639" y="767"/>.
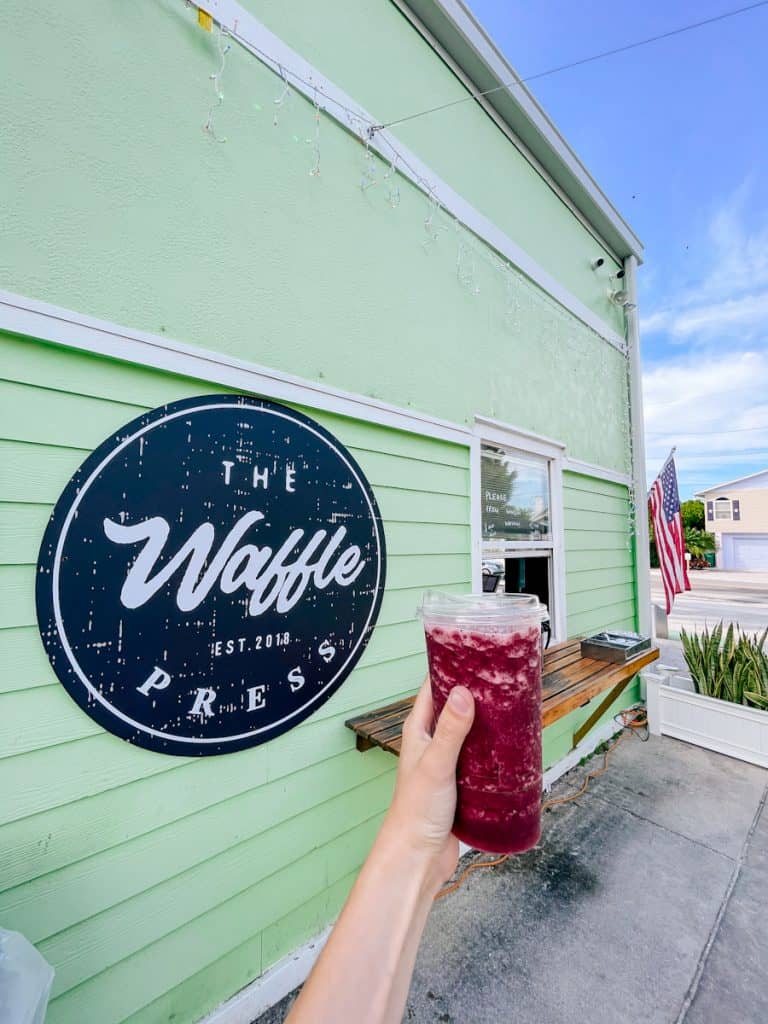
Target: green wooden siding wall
<point x="600" y="582"/>
<point x="158" y="886"/>
<point x="599" y="558"/>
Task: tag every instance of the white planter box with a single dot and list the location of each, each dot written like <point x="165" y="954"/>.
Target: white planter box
<point x="714" y="724"/>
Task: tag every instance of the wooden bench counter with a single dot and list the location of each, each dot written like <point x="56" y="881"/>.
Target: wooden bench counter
<point x="569" y="682"/>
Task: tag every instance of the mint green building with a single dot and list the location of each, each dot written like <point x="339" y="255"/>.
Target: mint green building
<point x="191" y="212"/>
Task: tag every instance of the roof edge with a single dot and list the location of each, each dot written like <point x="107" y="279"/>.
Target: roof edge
<point x="730" y="483"/>
<point x="469" y="45"/>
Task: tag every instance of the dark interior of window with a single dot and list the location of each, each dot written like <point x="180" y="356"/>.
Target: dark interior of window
<point x="527" y="576"/>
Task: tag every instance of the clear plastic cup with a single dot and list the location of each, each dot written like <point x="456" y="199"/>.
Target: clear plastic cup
<point x="492" y="645"/>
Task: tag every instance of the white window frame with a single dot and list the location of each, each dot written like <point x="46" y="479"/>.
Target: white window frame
<point x="722" y="500"/>
<point x="490" y="431"/>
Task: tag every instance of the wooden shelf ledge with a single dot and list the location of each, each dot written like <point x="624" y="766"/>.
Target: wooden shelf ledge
<point x="569" y="682"/>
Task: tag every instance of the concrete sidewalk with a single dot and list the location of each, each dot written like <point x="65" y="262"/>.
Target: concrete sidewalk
<point x="644" y="902"/>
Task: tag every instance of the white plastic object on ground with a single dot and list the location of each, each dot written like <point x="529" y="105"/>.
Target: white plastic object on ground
<point x="25" y="980"/>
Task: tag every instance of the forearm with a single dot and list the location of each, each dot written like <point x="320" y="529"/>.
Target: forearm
<point x="401" y="983"/>
<point x="364" y="972"/>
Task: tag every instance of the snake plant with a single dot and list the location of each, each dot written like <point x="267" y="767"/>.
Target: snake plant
<point x="730" y="667"/>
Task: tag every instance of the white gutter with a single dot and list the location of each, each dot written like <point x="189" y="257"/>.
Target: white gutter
<point x="637" y="426"/>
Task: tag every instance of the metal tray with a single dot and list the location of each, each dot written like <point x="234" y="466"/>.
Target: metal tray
<point x="614" y="645"/>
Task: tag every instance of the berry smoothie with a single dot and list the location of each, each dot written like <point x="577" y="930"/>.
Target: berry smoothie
<point x="499" y="774"/>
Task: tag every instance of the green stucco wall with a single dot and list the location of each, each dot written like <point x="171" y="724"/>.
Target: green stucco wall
<point x="117" y="204"/>
<point x="160" y="886"/>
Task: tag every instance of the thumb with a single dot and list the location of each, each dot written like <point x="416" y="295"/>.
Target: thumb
<point x="452" y="727"/>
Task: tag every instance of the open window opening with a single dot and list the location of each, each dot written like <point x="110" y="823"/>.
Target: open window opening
<point x="519" y="519"/>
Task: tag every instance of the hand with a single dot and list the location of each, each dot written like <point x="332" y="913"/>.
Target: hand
<point x="364" y="971"/>
<point x="424" y="804"/>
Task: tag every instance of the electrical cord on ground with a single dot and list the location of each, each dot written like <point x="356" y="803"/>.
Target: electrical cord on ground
<point x="446" y="890"/>
<point x="633" y="720"/>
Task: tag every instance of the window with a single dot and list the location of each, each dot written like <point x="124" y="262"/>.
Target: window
<point x="722" y="508"/>
<point x="515" y="497"/>
<point x="518" y="516"/>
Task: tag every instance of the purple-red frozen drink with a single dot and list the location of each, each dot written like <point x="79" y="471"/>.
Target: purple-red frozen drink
<point x="492" y="645"/>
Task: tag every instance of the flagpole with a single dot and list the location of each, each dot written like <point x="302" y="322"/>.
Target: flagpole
<point x="669" y="458"/>
<point x="664" y="464"/>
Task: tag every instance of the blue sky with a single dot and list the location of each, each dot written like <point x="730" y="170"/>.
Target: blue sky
<point x="676" y="134"/>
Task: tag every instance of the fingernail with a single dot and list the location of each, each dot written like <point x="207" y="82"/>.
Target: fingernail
<point x="459" y="698"/>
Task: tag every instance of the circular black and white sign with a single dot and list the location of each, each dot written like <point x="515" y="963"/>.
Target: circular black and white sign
<point x="210" y="575"/>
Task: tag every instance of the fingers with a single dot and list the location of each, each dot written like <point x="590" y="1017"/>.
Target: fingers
<point x="417" y="728"/>
<point x="420" y="718"/>
<point x="451" y="730"/>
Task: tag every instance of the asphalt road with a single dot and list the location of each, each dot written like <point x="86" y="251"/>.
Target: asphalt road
<point x="738" y="597"/>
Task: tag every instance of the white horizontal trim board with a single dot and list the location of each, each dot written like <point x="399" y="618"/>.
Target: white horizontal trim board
<point x="718" y="725"/>
<point x="45" y="322"/>
<point x="599" y="472"/>
<point x="293" y="970"/>
<point x="36" y="319"/>
<point x="275" y="54"/>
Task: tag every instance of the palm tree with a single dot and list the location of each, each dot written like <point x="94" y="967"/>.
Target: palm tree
<point x="698" y="542"/>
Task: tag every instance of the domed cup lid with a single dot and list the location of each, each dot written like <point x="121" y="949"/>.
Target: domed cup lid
<point x="494" y="612"/>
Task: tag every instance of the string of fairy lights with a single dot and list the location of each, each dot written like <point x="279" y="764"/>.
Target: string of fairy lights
<point x="437" y="219"/>
<point x="551" y="330"/>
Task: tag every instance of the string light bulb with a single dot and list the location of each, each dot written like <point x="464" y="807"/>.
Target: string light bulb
<point x="224" y="49"/>
<point x="512" y="305"/>
<point x="465" y="262"/>
<point x="392" y="187"/>
<point x="315" y="140"/>
<point x="281" y="101"/>
<point x="369" y="177"/>
<point x="432" y="229"/>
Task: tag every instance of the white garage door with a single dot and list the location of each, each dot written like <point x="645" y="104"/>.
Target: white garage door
<point x="748" y="551"/>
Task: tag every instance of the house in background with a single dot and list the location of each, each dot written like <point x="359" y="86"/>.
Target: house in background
<point x="737" y="514"/>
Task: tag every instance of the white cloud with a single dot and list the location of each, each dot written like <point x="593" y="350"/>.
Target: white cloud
<point x="730" y="301"/>
<point x="739" y="248"/>
<point x="710" y="399"/>
<point x="713" y="408"/>
<point x="658" y="321"/>
<point x="748" y="315"/>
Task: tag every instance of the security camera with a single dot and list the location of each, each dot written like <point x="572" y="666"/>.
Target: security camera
<point x="619" y="274"/>
<point x="620" y="297"/>
<point x="597" y="263"/>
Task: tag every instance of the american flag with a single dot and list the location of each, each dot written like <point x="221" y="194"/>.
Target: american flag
<point x="664" y="503"/>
